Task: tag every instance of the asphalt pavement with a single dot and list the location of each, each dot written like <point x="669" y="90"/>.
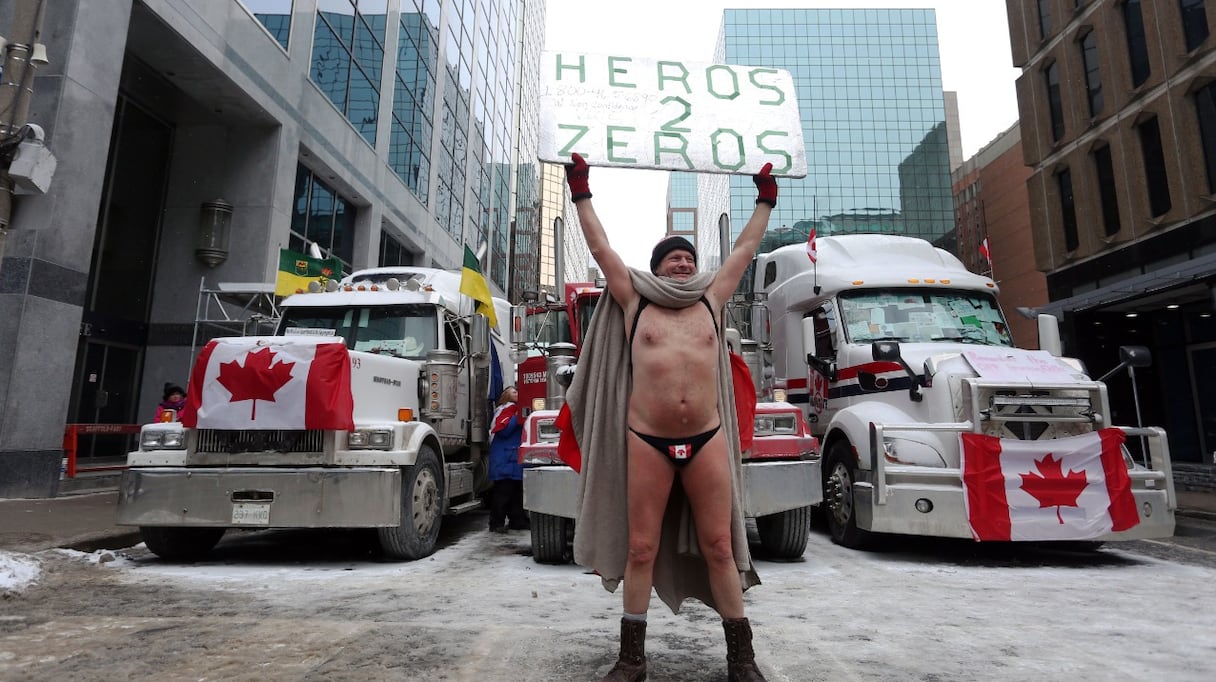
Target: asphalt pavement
<point x="83" y="516"/>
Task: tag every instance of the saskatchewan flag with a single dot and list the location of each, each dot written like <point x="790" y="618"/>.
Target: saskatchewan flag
<point x="473" y="284"/>
<point x="296" y="270"/>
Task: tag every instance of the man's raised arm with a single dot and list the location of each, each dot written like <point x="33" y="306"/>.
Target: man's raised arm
<point x="744" y="250"/>
<point x="615" y="271"/>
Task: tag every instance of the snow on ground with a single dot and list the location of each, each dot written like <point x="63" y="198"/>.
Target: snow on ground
<point x="480" y="608"/>
<point x="17" y="571"/>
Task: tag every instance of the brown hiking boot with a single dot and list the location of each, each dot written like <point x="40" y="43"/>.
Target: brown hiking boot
<point x="631" y="665"/>
<point x="740" y="658"/>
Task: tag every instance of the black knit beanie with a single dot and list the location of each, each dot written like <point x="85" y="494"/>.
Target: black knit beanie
<point x="666" y="246"/>
<point x="171" y="388"/>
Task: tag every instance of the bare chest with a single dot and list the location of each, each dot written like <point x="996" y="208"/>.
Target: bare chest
<point x="690" y="327"/>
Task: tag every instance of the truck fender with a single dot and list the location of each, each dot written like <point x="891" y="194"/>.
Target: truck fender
<point x="415" y="434"/>
<point x="922" y="447"/>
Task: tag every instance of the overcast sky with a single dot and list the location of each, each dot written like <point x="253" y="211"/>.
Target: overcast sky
<point x="976" y="63"/>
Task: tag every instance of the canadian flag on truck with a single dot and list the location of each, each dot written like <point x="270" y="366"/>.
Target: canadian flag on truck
<point x="1074" y="488"/>
<point x="280" y="382"/>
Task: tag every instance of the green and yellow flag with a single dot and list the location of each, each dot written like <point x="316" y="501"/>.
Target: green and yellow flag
<point x="296" y="270"/>
<point x="473" y="284"/>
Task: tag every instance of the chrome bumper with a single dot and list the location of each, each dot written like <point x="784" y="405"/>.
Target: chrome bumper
<point x="353" y="497"/>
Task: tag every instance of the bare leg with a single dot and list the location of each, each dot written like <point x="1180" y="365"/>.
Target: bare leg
<point x="707" y="482"/>
<point x="650" y="479"/>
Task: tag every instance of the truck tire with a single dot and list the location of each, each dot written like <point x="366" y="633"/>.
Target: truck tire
<point x="784" y="535"/>
<point x="421" y="510"/>
<point x="550" y="538"/>
<point x="839" y="473"/>
<point x="180" y="544"/>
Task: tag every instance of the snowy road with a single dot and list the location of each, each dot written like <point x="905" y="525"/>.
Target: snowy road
<point x="301" y="606"/>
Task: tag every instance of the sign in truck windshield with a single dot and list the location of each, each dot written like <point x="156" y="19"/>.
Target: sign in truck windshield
<point x="923" y="316"/>
<point x="670" y="114"/>
<point x="401" y="330"/>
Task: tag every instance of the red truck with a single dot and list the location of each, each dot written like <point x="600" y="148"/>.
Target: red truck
<point x="781" y="471"/>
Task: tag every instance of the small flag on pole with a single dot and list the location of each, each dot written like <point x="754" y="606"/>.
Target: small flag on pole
<point x="987" y="255"/>
<point x="812" y="251"/>
<point x="473" y="284"/>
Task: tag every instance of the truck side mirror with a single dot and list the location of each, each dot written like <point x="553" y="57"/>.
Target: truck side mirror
<point x="479" y="333"/>
<point x="519" y="314"/>
<point x="1135" y="356"/>
<point x="1049" y="335"/>
<point x="760" y="328"/>
<point x="888" y="351"/>
<point x="825" y="367"/>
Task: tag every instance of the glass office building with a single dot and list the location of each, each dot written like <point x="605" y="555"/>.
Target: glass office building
<point x="873" y="120"/>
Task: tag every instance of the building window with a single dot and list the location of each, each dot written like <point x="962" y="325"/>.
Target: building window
<point x="275" y="15"/>
<point x="393" y="252"/>
<point x="1205" y="106"/>
<point x="1068" y="210"/>
<point x="319" y="215"/>
<point x="1154" y="167"/>
<point x="1194" y="22"/>
<point x="1044" y="18"/>
<point x="413" y="101"/>
<point x="347" y="57"/>
<point x="1106" y="189"/>
<point x="1137" y="44"/>
<point x="1093" y="72"/>
<point x="1052" y="77"/>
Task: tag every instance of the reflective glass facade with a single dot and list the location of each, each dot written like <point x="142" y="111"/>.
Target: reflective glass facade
<point x="275" y="15"/>
<point x="870" y="96"/>
<point x="456" y="107"/>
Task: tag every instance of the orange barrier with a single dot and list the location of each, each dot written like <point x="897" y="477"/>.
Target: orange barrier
<point x="72" y="431"/>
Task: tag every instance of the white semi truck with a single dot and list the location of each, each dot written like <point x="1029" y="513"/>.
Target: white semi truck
<point x="413" y="450"/>
<point x="893" y="349"/>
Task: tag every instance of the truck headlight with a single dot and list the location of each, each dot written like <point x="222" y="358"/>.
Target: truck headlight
<point x="547" y="431"/>
<point x="776" y="425"/>
<point x="539" y="457"/>
<point x="370" y="439"/>
<point x="161" y="439"/>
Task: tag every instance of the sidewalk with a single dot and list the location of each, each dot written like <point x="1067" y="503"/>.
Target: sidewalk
<point x="84" y="518"/>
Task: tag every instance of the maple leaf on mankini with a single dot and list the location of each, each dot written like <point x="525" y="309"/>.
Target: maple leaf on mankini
<point x="257" y="380"/>
<point x="1053" y="488"/>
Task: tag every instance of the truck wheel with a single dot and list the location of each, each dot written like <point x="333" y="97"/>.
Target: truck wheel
<point x="839" y="475"/>
<point x="180" y="544"/>
<point x="784" y="535"/>
<point x="421" y="510"/>
<point x="550" y="538"/>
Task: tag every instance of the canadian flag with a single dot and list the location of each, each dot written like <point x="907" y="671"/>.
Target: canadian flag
<point x="984" y="252"/>
<point x="1074" y="488"/>
<point x="503" y="414"/>
<point x="812" y="251"/>
<point x="271" y="382"/>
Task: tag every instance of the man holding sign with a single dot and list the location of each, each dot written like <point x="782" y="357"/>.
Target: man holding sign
<point x="651" y="404"/>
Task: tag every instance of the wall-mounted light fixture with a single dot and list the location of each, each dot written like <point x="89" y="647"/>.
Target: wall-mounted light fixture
<point x="214" y="220"/>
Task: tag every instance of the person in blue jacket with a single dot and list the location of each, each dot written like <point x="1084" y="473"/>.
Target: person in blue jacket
<point x="507" y="497"/>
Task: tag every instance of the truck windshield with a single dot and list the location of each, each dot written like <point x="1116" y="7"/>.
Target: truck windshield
<point x="406" y="331"/>
<point x="547" y="326"/>
<point x="923" y="316"/>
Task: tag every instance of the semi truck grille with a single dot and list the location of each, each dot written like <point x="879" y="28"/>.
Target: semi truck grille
<point x="233" y="442"/>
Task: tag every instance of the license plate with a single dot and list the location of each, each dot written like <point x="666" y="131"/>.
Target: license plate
<point x="244" y="514"/>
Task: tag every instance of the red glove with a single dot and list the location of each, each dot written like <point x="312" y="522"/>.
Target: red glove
<point x="766" y="186"/>
<point x="576" y="177"/>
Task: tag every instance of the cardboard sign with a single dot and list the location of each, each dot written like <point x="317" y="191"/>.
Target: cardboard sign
<point x="639" y="112"/>
<point x="1013" y="365"/>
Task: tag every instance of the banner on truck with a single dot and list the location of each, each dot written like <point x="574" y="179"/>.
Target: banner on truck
<point x="669" y="114"/>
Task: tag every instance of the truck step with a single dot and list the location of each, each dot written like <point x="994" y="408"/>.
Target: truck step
<point x="463" y="507"/>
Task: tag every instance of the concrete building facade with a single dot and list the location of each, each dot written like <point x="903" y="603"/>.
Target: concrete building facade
<point x="1117" y="102"/>
<point x="383" y="131"/>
